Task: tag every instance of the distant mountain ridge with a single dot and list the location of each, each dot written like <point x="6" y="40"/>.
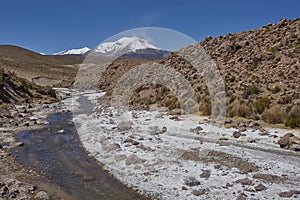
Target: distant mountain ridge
<point x="124" y="44"/>
<point x="125" y="47"/>
<point x="79" y="51"/>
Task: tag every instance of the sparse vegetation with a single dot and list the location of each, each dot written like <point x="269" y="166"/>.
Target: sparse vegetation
<point x="250" y="91"/>
<point x="275" y="89"/>
<point x="23" y="90"/>
<point x="274" y="115"/>
<point x="293" y="123"/>
<point x="272" y="49"/>
<point x="297" y="43"/>
<point x="261" y="104"/>
<point x="238" y="109"/>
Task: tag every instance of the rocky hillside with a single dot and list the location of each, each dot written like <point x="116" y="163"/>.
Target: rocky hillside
<point x="17" y="90"/>
<point x="261" y="70"/>
<point x="47" y="70"/>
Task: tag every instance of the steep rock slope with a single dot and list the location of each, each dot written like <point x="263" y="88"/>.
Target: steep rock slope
<point x="260" y="68"/>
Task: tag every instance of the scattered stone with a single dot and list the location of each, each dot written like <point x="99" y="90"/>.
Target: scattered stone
<point x="134" y="159"/>
<point x="198" y="192"/>
<point x="249" y="189"/>
<point x="4" y="155"/>
<point x="164" y="129"/>
<point x="184" y="188"/>
<point x="135" y="143"/>
<point x="244" y="181"/>
<point x="176" y="112"/>
<point x="120" y="157"/>
<point x="128" y="140"/>
<point x="241" y="196"/>
<point x="242" y="129"/>
<point x="154" y="130"/>
<point x="236" y="134"/>
<point x="266" y="177"/>
<point x="287" y="140"/>
<point x="175" y="118"/>
<point x="254" y="124"/>
<point x="260" y="187"/>
<point x="111" y="147"/>
<point x="196" y="130"/>
<point x="251" y="140"/>
<point x="284" y="140"/>
<point x="264" y="133"/>
<point x="191" y="181"/>
<point x="205" y="174"/>
<point x="288" y="194"/>
<point x="125" y="125"/>
<point x="297" y="148"/>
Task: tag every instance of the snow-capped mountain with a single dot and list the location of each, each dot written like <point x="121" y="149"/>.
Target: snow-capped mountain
<point x="124" y="45"/>
<point x="74" y="51"/>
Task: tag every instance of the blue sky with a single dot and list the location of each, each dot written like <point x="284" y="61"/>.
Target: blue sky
<point x="50" y="26"/>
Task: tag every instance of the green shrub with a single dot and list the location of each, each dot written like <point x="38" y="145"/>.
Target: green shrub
<point x="293" y="123"/>
<point x="275" y="89"/>
<point x="261" y="104"/>
<point x="297" y="43"/>
<point x="272" y="49"/>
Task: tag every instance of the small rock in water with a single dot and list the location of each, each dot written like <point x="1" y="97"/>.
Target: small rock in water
<point x="18" y="144"/>
<point x="61" y="131"/>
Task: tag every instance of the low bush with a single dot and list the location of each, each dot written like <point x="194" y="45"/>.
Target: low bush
<point x="238" y="109"/>
<point x="293" y="123"/>
<point x="274" y="115"/>
<point x="261" y="104"/>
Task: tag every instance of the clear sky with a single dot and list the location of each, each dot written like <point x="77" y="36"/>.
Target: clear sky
<point x="50" y="26"/>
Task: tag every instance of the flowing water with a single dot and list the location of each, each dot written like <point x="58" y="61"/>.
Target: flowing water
<point x="61" y="158"/>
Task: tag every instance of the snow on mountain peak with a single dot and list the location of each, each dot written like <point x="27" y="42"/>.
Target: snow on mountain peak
<point x="74" y="51"/>
<point x="125" y="44"/>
